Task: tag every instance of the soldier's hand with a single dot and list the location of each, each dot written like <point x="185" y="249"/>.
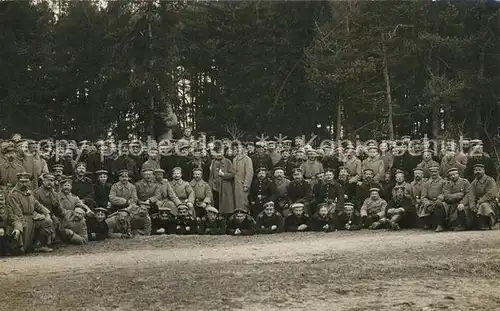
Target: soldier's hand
<point x="347" y="226"/>
<point x="274" y="227"/>
<point x="2" y="231"/>
<point x="245" y="189"/>
<point x="16" y="233"/>
<point x="400" y="210"/>
<point x="188" y="228"/>
<point x="160" y="231"/>
<point x="68" y="232"/>
<point x="391" y="211"/>
<point x="325" y="227"/>
<point x="208" y="230"/>
<point x="178" y="227"/>
<point x="460" y="207"/>
<point x="302" y="227"/>
<point x="189" y="204"/>
<point x="237" y="231"/>
<point x="93" y="235"/>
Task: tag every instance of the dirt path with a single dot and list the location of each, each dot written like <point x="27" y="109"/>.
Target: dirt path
<point x="407" y="270"/>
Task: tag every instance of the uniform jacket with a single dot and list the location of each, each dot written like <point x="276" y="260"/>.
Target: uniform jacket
<point x="120" y="194"/>
<point x="292" y="222"/>
<point x="264" y="223"/>
<point x="247" y="226"/>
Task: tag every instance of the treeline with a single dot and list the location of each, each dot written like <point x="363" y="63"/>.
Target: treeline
<point x="377" y="69"/>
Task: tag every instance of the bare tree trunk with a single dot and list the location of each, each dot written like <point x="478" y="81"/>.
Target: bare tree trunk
<point x="339" y="120"/>
<point x="151" y="80"/>
<point x="477" y="111"/>
<point x="388" y="91"/>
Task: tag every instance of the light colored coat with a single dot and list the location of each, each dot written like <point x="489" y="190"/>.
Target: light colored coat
<point x="243" y="176"/>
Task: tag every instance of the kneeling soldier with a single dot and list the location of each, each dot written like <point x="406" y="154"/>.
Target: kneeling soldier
<point x="163" y="222"/>
<point x="240" y="223"/>
<point x="349" y="218"/>
<point x="400" y="210"/>
<point x="373" y="210"/>
<point x="140" y="222"/>
<point x="119" y="225"/>
<point x="322" y="220"/>
<point x="269" y="220"/>
<point x="185" y="222"/>
<point x="212" y="223"/>
<point x="297" y="221"/>
<point x="96" y="226"/>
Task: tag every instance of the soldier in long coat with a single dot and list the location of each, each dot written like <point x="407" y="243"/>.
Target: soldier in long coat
<point x="9" y="169"/>
<point x="280" y="187"/>
<point x="243" y="176"/>
<point x="483" y="195"/>
<point x="203" y="196"/>
<point x="456" y="195"/>
<point x="222" y="183"/>
<point x="40" y="166"/>
<point x="433" y="208"/>
<point x="123" y="193"/>
<point x="30" y="220"/>
<point x="374" y="163"/>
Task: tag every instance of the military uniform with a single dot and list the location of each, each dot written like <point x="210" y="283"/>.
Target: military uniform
<point x="215" y="226"/>
<point x="146" y="190"/>
<point x="101" y="192"/>
<point x="186" y="225"/>
<point x="373" y="212"/>
<point x="455" y="193"/>
<point x="167" y="198"/>
<point x="184" y="193"/>
<point x="279" y="194"/>
<point x="140" y="222"/>
<point x="163" y="222"/>
<point x="376" y="165"/>
<point x="246" y="227"/>
<point x="401" y="211"/>
<point x="311" y="168"/>
<point x="83" y="188"/>
<point x="8" y="175"/>
<point x="482" y="199"/>
<point x="121" y="195"/>
<point x="318" y="223"/>
<point x="72" y="231"/>
<point x="299" y="191"/>
<point x="484" y="159"/>
<point x="349" y="219"/>
<point x="328" y="192"/>
<point x="363" y="192"/>
<point x="69" y="201"/>
<point x="293" y="222"/>
<point x="97" y="230"/>
<point x="202" y="195"/>
<point x="353" y="166"/>
<point x="261" y="191"/>
<point x="264" y="223"/>
<point x="426" y="165"/>
<point x="433" y="208"/>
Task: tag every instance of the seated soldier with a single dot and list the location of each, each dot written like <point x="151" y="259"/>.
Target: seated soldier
<point x="185" y="223"/>
<point x="400" y="209"/>
<point x="433" y="208"/>
<point x="203" y="196"/>
<point x="123" y="193"/>
<point x="167" y="198"/>
<point x="373" y="210"/>
<point x="297" y="221"/>
<point x="322" y="220"/>
<point x="97" y="228"/>
<point x="269" y="220"/>
<point x="240" y="223"/>
<point x="140" y="222"/>
<point x="119" y="225"/>
<point x="183" y="191"/>
<point x="212" y="223"/>
<point x="349" y="218"/>
<point x="163" y="222"/>
<point x="456" y="194"/>
<point x="73" y="228"/>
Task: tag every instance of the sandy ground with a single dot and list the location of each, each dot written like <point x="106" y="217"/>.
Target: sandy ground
<point x="408" y="270"/>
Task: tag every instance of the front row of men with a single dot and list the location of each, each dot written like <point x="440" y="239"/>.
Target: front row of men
<point x="440" y="204"/>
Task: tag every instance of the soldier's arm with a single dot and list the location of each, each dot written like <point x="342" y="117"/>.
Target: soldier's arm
<point x="190" y="192"/>
<point x="14" y="213"/>
<point x="230" y="171"/>
<point x="172" y="195"/>
<point x="114" y="198"/>
<point x="209" y="198"/>
<point x="39" y="208"/>
<point x="467" y="191"/>
<point x="364" y="208"/>
<point x="251" y="228"/>
<point x="382" y="212"/>
<point x="380" y="174"/>
<point x="247" y="182"/>
<point x="491" y="192"/>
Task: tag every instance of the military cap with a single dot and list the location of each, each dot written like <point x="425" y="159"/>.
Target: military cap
<point x="124" y="210"/>
<point x="159" y="170"/>
<point x="121" y="172"/>
<point x="153" y="148"/>
<point x="311" y="151"/>
<point x="21" y="141"/>
<point x="176" y="169"/>
<point x="261" y="169"/>
<point x="164" y="209"/>
<point x="418" y="169"/>
<point x="453" y="169"/>
<point x="374" y="189"/>
<point x="296" y="205"/>
<point x="79" y="210"/>
<point x="101" y="209"/>
<point x="478" y="165"/>
<point x="319" y="174"/>
<point x="57" y="167"/>
<point x="240" y="210"/>
<point x="147" y="170"/>
<point x="23" y="176"/>
<point x="343" y="168"/>
<point x="81" y="164"/>
<point x="405" y="137"/>
<point x="182" y="206"/>
<point x="368" y="169"/>
<point x="211" y="209"/>
<point x="434" y="168"/>
<point x="298" y="169"/>
<point x="476" y="142"/>
<point x="331" y="170"/>
<point x="372" y="147"/>
<point x="278" y="168"/>
<point x="348" y="204"/>
<point x="285" y="149"/>
<point x="144" y="203"/>
<point x="101" y="172"/>
<point x="48" y="176"/>
<point x="199" y="169"/>
<point x="66" y="179"/>
<point x="398" y="171"/>
<point x="249" y="143"/>
<point x="270" y="203"/>
<point x="125" y="144"/>
<point x="31" y="142"/>
<point x="9" y="148"/>
<point x="135" y="142"/>
<point x="321" y="205"/>
<point x="259" y="144"/>
<point x="83" y="142"/>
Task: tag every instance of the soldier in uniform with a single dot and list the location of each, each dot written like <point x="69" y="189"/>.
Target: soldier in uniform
<point x="163" y="222"/>
<point x="312" y="166"/>
<point x="102" y="188"/>
<point x="433" y="208"/>
<point x="147" y="188"/>
<point x="153" y="161"/>
<point x="269" y="220"/>
<point x="261" y="159"/>
<point x="456" y="196"/>
<point x="287" y="163"/>
<point x="203" y="196"/>
<point x="374" y="163"/>
<point x="373" y="210"/>
<point x="185" y="222"/>
<point x="298" y="221"/>
<point x="483" y="198"/>
<point x="9" y="169"/>
<point x="67" y="200"/>
<point x="322" y="220"/>
<point x="363" y="189"/>
<point x="97" y="228"/>
<point x="299" y="190"/>
<point x="349" y="188"/>
<point x="416" y="187"/>
<point x="241" y="223"/>
<point x="400" y="210"/>
<point x="427" y="163"/>
<point x="57" y="170"/>
<point x="212" y="223"/>
<point x="123" y="193"/>
<point x="449" y="161"/>
<point x="73" y="229"/>
<point x="140" y="222"/>
<point x="183" y="191"/>
<point x="349" y="218"/>
<point x="261" y="191"/>
<point x="4" y="227"/>
<point x="329" y="192"/>
<point x="167" y="198"/>
<point x="279" y="191"/>
<point x="30" y="220"/>
<point x="353" y="165"/>
<point x="119" y="225"/>
<point x="82" y="185"/>
<point x="400" y="182"/>
<point x="125" y="163"/>
<point x="478" y="156"/>
<point x="39" y="164"/>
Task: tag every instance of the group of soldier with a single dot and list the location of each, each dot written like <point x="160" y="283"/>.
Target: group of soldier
<point x="244" y="189"/>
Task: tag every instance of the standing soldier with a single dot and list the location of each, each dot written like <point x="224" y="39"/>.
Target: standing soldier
<point x="202" y="193"/>
<point x="374" y="163"/>
<point x="416" y="188"/>
<point x="153" y="161"/>
<point x="273" y="154"/>
<point x="183" y="191"/>
<point x="299" y="190"/>
<point x="9" y="169"/>
<point x="260" y="158"/>
<point x="261" y="191"/>
<point x="102" y="188"/>
<point x="449" y="161"/>
<point x="39" y="164"/>
<point x="31" y="220"/>
<point x="243" y="176"/>
<point x="373" y="210"/>
<point x="82" y="185"/>
<point x="433" y="208"/>
<point x="329" y="192"/>
<point x="312" y="166"/>
<point x="353" y="165"/>
<point x="349" y="188"/>
<point x="125" y="163"/>
<point x="456" y="195"/>
<point x="287" y="163"/>
<point x="222" y="183"/>
<point x="269" y="220"/>
<point x="58" y="170"/>
<point x="280" y="187"/>
<point x="122" y="193"/>
<point x="478" y="156"/>
<point x="482" y="198"/>
<point x="212" y="223"/>
<point x="427" y="163"/>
